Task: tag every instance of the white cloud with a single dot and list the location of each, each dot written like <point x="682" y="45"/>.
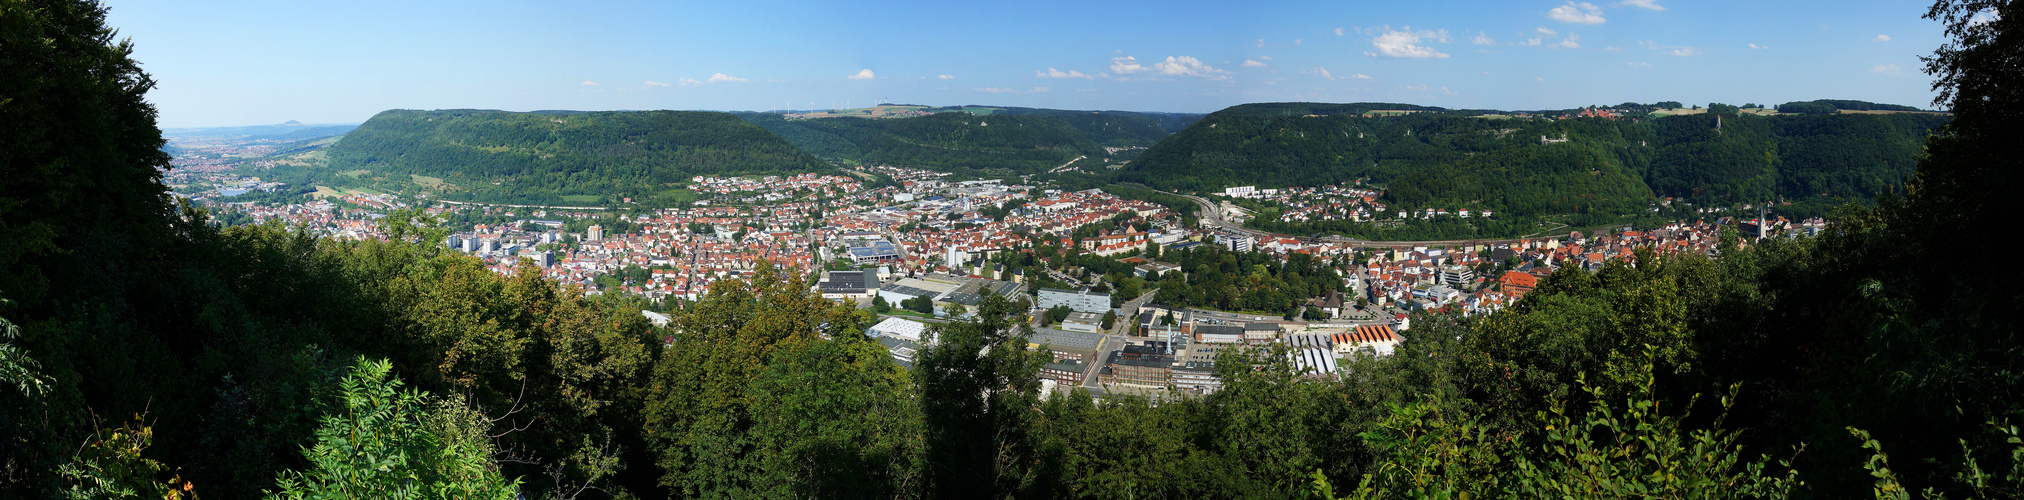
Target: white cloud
<point x="1882" y="38"/>
<point x="1539" y="78"/>
<point x="1268" y="58"/>
<point x="1577" y="13"/>
<point x="1548" y="31"/>
<point x="1612" y="49"/>
<point x="944" y="77"/>
<point x="1296" y="41"/>
<point x="690" y="82"/>
<point x="1569" y="42"/>
<point x="1649" y="4"/>
<point x="1320" y="71"/>
<point x="720" y="77"/>
<point x="1188" y="66"/>
<point x="1482" y="39"/>
<point x="1125" y="65"/>
<point x="1000" y="90"/>
<point x="651" y="83"/>
<point x="1758" y="47"/>
<point x="1338" y="32"/>
<point x="588" y="83"/>
<point x="1261" y="43"/>
<point x="863" y="74"/>
<point x="1640" y="64"/>
<point x="1360" y="76"/>
<point x="1677" y="50"/>
<point x="1887" y="69"/>
<point x="1253" y="64"/>
<point x="1055" y="73"/>
<point x="1984" y="17"/>
<point x="1406" y="43"/>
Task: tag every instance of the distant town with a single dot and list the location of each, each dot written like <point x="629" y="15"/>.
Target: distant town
<point x="930" y="249"/>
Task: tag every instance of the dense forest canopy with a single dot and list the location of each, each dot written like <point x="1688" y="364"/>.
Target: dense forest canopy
<point x="1005" y="143"/>
<point x="539" y="157"/>
<point x="1430" y="158"/>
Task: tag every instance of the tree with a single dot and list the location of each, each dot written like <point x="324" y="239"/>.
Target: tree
<point x="1109" y="319"/>
<point x="833" y="420"/>
<point x="390" y="443"/>
<point x="978" y="386"/>
<point x="75" y="110"/>
<point x="1057" y="314"/>
<point x="921" y="305"/>
<point x="699" y="416"/>
<point x="879" y="305"/>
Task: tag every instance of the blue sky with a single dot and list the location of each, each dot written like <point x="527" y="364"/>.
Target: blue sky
<point x="222" y="63"/>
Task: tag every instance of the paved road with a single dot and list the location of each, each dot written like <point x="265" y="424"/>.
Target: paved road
<point x="1103" y="349"/>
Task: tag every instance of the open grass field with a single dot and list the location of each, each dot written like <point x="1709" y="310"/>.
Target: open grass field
<point x="326" y="192"/>
<point x="1677" y="111"/>
<point x="679" y="196"/>
<point x="1389" y="112"/>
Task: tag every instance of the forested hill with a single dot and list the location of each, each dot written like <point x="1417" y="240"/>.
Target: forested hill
<point x="1431" y="156"/>
<point x="541" y="157"/>
<point x="1009" y="141"/>
<point x="1091" y="121"/>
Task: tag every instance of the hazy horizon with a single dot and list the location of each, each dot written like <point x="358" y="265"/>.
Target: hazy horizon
<point x="239" y="63"/>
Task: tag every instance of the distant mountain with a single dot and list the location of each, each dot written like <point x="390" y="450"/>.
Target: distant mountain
<point x="998" y="141"/>
<point x="1432" y="157"/>
<point x="554" y="157"/>
<point x="291" y="130"/>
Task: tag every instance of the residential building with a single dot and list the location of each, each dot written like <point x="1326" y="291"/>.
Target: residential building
<point x="1084" y="301"/>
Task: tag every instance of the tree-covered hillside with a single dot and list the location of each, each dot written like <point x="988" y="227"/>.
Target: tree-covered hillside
<point x="541" y="157"/>
<point x="1168" y="123"/>
<point x="1019" y="141"/>
<point x="1533" y="166"/>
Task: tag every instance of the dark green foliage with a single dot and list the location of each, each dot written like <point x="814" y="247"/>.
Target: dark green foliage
<point x="1850" y="156"/>
<point x="391" y="443"/>
<point x="978" y="388"/>
<point x="1713" y="158"/>
<point x="1055" y="315"/>
<point x="721" y="415"/>
<point x="80" y="149"/>
<point x="955" y="142"/>
<point x="1441" y="159"/>
<point x="921" y="305"/>
<point x="1808" y="107"/>
<point x="1216" y="278"/>
<point x="1006" y="142"/>
<point x="1426" y="160"/>
<point x="538" y="157"/>
<point x="1852" y="105"/>
<point x="835" y="422"/>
